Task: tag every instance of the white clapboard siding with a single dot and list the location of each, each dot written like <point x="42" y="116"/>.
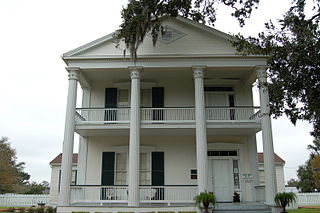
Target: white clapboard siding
<point x="9" y="200"/>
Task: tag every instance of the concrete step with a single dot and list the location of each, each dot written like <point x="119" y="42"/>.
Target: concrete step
<point x="241" y="208"/>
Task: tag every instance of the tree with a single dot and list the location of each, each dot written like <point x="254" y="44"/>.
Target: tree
<point x="315" y="166"/>
<point x="292" y="48"/>
<point x="308" y="176"/>
<point x="8" y="172"/>
<point x="292" y="183"/>
<point x="293" y="51"/>
<point x="38" y="188"/>
<point x="11" y="172"/>
<point x="143" y="16"/>
<point x="315" y="149"/>
<point x="306" y="180"/>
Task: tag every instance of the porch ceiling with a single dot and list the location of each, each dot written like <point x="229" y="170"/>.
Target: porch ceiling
<point x="149" y="74"/>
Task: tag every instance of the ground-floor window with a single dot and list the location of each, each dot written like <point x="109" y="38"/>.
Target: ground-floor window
<point x="120" y="169"/>
<point x="236" y="180"/>
<point x="145" y="169"/>
<point x="115" y="168"/>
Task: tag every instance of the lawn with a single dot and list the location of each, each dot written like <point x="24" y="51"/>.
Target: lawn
<point x="304" y="211"/>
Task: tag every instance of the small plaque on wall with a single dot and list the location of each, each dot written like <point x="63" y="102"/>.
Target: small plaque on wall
<point x="247" y="177"/>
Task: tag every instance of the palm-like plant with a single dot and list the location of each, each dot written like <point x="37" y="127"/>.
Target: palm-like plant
<point x="204" y="199"/>
<point x="285" y="198"/>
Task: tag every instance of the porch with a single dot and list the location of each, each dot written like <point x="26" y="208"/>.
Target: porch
<point x="166" y="195"/>
<point x="117" y="195"/>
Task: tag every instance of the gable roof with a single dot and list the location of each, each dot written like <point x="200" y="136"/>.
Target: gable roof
<point x="277" y="158"/>
<point x="180" y="19"/>
<point x="58" y="159"/>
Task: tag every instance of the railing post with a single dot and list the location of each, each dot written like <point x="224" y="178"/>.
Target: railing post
<point x="201" y="131"/>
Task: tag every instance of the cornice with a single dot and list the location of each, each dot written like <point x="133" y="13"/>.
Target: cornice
<point x="161" y="56"/>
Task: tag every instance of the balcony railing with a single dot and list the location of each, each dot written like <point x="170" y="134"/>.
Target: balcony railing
<point x="167" y="115"/>
<point x="99" y="194"/>
<point x="168" y="194"/>
<point x="119" y="194"/>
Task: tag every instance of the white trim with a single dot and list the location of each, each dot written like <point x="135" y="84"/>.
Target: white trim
<point x="160" y="56"/>
<point x="88" y="45"/>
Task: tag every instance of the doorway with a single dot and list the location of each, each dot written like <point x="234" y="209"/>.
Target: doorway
<point x="222" y="183"/>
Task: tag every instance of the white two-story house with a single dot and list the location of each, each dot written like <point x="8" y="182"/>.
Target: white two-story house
<point x="178" y="122"/>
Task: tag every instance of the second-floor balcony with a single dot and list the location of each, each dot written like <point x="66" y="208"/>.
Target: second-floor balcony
<point x="166" y="116"/>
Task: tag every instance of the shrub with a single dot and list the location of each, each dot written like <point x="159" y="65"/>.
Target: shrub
<point x="80" y="212"/>
<point x="49" y="209"/>
<point x="11" y="209"/>
<point x="22" y="210"/>
<point x="32" y="210"/>
<point x="204" y="199"/>
<point x="285" y="198"/>
<point x="40" y="210"/>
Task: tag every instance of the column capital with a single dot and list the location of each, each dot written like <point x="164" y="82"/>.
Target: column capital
<point x="135" y="72"/>
<point x="261" y="71"/>
<point x="74" y="73"/>
<point x="198" y="71"/>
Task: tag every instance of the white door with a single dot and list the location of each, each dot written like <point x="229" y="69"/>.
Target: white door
<point x="221" y="180"/>
<point x="216" y="99"/>
<point x="217" y="104"/>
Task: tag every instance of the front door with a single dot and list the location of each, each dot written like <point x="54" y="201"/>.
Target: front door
<point x="221" y="180"/>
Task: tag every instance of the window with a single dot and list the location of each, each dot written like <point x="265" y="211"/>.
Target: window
<point x="193" y="174"/>
<point x="123" y="97"/>
<point x="121" y="169"/>
<point x="167" y="35"/>
<point x="145" y="170"/>
<point x="236" y="180"/>
<point x="73" y="178"/>
<point x="218" y="89"/>
<point x="146" y="98"/>
<point x="262" y="177"/>
<point x="223" y="153"/>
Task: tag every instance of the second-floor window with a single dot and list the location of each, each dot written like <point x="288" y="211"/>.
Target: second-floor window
<point x="219" y="96"/>
<point x="123" y="98"/>
<point x="118" y="97"/>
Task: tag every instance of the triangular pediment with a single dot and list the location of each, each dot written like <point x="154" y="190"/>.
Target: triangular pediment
<point x="182" y="37"/>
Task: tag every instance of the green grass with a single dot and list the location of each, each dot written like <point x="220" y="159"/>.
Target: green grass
<point x="304" y="211"/>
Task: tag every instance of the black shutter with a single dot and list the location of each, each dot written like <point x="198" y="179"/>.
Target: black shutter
<point x="107" y="173"/>
<point x="111" y="102"/>
<point x="231" y="104"/>
<point x="157" y="102"/>
<point x="157" y="176"/>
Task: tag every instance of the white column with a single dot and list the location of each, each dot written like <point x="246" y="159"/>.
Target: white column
<point x="201" y="131"/>
<point x="82" y="161"/>
<point x="83" y="141"/>
<point x="253" y="159"/>
<point x="67" y="150"/>
<point x="269" y="165"/>
<point x="134" y="141"/>
<point x="252" y="148"/>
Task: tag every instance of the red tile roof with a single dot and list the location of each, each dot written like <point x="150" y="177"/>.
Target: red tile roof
<point x="277" y="159"/>
<point x="58" y="159"/>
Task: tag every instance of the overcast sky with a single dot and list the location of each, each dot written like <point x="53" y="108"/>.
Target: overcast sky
<point x="33" y="88"/>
